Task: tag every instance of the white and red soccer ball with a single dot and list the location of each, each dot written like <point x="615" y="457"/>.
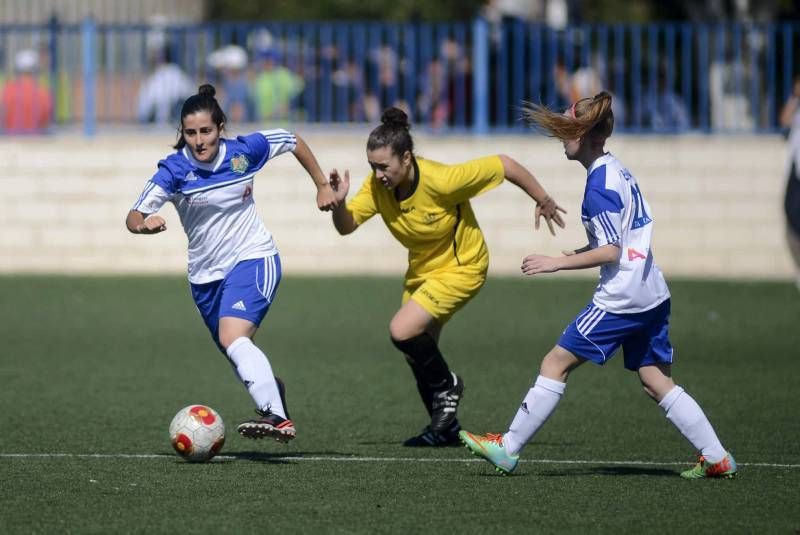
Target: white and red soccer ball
<point x="197" y="433"/>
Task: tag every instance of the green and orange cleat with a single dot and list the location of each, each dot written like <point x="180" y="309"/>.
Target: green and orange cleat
<point x="724" y="469"/>
<point x="491" y="448"/>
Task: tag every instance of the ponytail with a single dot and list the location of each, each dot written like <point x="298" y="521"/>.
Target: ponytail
<point x="591" y="116"/>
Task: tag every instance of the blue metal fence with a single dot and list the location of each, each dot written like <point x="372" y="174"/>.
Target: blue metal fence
<point x="449" y="77"/>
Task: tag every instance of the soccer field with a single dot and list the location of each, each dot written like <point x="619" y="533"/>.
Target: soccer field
<point x="93" y="369"/>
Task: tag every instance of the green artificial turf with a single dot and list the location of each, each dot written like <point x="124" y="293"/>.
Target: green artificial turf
<point x="100" y="366"/>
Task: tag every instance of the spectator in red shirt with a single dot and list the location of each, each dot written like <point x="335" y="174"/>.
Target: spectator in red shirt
<point x="25" y="104"/>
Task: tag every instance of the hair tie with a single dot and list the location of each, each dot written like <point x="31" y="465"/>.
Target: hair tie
<point x="572" y="109"/>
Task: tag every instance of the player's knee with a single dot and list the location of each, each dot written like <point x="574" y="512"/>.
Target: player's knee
<point x="399" y="330"/>
<point x="650" y="392"/>
<point x="226" y="338"/>
<point x="656" y="381"/>
<point x="554" y="367"/>
<point x="396" y="332"/>
<point x="657" y="389"/>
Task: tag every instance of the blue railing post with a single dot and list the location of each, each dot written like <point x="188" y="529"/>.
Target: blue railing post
<point x="54" y="59"/>
<point x="480" y="76"/>
<point x="520" y="65"/>
<point x="89" y="39"/>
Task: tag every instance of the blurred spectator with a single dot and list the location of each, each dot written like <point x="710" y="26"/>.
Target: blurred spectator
<point x="664" y="109"/>
<point x="384" y="66"/>
<point x="230" y="62"/>
<point x="26" y="105"/>
<point x="727" y="79"/>
<point x="446" y="80"/>
<point x="350" y="79"/>
<point x="584" y="82"/>
<point x="790" y="120"/>
<point x="275" y="86"/>
<point x="162" y="93"/>
<point x="581" y="83"/>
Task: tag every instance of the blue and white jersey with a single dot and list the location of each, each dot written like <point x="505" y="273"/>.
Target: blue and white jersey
<point x="215" y="201"/>
<point x="615" y="212"/>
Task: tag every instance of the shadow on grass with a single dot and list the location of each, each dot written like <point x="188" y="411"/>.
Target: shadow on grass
<point x="611" y="471"/>
<point x="456" y="444"/>
<point x="278" y="457"/>
<point x="406" y="448"/>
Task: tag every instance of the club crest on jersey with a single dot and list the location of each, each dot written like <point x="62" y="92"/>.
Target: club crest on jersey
<point x="239" y="164"/>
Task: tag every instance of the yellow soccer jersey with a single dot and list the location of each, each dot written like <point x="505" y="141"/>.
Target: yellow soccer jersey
<point x="436" y="222"/>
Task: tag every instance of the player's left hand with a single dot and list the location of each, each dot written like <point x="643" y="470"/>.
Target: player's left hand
<point x="549" y="209"/>
<point x="326" y="198"/>
<point x="537" y="263"/>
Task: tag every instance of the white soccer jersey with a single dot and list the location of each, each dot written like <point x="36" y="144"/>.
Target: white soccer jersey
<point x="615" y="212"/>
<point x="215" y="201"/>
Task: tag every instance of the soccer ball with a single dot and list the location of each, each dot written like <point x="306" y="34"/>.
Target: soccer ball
<point x="197" y="433"/>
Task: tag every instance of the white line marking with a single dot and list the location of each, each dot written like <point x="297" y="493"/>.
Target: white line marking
<point x="341" y="459"/>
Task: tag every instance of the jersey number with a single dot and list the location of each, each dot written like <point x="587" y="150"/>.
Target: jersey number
<point x="640" y="217"/>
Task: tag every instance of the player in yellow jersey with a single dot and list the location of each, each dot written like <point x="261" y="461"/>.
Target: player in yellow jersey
<point x="426" y="206"/>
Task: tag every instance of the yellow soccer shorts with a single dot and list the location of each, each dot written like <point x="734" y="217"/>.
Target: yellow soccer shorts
<point x="444" y="293"/>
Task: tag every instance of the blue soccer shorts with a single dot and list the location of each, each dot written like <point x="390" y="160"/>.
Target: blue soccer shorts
<point x="597" y="334"/>
<point x="246" y="292"/>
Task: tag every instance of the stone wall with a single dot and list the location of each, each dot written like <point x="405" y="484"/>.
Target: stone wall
<point x="717" y="203"/>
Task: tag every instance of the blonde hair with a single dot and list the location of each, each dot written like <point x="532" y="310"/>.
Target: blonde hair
<point x="591" y="115"/>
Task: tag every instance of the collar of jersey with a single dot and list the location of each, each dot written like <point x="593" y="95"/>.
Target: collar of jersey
<point x="212" y="166"/>
<point x="602" y="160"/>
<point x="413" y="186"/>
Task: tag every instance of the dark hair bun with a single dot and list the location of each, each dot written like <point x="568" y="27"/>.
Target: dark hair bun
<point x="207" y="90"/>
<point x="395" y="118"/>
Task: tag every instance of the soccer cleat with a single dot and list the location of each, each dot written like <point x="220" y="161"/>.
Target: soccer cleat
<point x="282" y="392"/>
<point x="445" y="405"/>
<point x="725" y="469"/>
<point x="435" y="439"/>
<point x="491" y="448"/>
<point x="270" y="425"/>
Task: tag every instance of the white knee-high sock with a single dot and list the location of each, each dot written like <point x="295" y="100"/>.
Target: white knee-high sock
<point x="253" y="368"/>
<point x="684" y="412"/>
<point x="536" y="408"/>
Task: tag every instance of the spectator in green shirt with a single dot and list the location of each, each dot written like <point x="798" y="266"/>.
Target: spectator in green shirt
<point x="275" y="87"/>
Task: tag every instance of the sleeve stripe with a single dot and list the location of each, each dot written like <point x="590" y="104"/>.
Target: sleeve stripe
<point x="612" y="234"/>
<point x="608" y="228"/>
<point x="603" y="225"/>
<point x="279" y="136"/>
<point x="279" y="142"/>
<point x="277" y="139"/>
<point x="147" y="189"/>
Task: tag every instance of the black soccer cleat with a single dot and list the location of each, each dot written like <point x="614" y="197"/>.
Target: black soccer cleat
<point x="268" y="426"/>
<point x="434" y="439"/>
<point x="445" y="405"/>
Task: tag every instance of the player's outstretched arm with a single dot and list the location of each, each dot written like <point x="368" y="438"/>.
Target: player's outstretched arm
<point x="326" y="200"/>
<point x="138" y="223"/>
<point x="545" y="205"/>
<point x="342" y="217"/>
<point x="536" y="263"/>
<point x="570" y="252"/>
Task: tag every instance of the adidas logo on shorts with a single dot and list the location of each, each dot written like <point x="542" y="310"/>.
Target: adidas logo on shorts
<point x="239" y="306"/>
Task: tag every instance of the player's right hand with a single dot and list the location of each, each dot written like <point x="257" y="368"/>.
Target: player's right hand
<point x="339" y="184"/>
<point x="153" y="225"/>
